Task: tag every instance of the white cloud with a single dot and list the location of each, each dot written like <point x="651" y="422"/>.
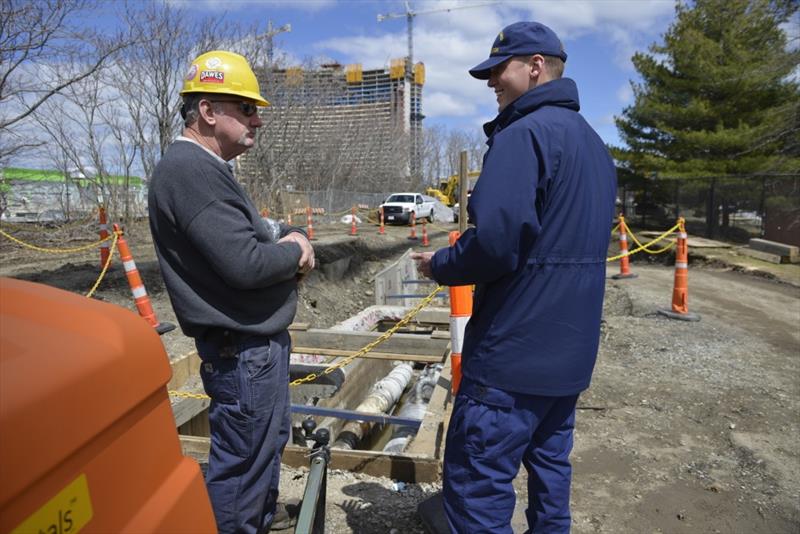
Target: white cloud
<point x="310" y="6"/>
<point x="447" y="104"/>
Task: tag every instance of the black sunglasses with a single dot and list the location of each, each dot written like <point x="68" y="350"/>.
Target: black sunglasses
<point x="248" y="109"/>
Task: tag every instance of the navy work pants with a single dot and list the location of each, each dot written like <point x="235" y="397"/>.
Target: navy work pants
<point x="491" y="431"/>
<point x="250" y="422"/>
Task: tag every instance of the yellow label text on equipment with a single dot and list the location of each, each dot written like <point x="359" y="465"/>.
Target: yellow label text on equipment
<point x="66" y="513"/>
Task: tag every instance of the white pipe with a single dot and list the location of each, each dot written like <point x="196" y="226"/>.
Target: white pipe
<point x="384" y="394"/>
<point x="414" y="408"/>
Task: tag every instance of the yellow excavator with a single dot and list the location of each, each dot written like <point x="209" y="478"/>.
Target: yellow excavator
<point x="447" y="193"/>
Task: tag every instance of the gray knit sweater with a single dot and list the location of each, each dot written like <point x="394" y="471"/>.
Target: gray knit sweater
<point x="220" y="267"/>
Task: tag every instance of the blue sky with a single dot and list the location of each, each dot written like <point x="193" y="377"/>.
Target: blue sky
<point x="600" y="37"/>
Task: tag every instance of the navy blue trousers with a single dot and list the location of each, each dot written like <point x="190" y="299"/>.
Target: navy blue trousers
<point x="491" y="432"/>
<point x="250" y="422"/>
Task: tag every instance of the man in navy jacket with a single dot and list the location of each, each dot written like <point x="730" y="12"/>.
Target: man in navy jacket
<point x="542" y="210"/>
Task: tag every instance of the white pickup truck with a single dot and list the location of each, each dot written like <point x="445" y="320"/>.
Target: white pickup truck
<point x="398" y="207"/>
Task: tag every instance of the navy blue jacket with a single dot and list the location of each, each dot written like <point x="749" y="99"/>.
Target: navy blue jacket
<point x="542" y="210"/>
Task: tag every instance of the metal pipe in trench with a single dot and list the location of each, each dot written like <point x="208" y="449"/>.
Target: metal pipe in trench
<point x="414" y="408"/>
<point x="384" y="394"/>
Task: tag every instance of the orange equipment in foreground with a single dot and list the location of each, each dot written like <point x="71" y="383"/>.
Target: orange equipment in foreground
<point x="353" y="228"/>
<point x="89" y="440"/>
<point x="137" y="286"/>
<point x="413" y="234"/>
<point x="624" y="268"/>
<point x="104" y="250"/>
<point x="309" y="224"/>
<point x="680" y="291"/>
<point x="460" y="312"/>
<point x="425" y="241"/>
<point x="381" y="229"/>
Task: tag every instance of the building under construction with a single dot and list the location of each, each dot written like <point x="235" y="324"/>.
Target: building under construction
<point x="357" y="128"/>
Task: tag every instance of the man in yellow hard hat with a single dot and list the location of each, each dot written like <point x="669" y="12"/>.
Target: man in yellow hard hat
<point x="233" y="285"/>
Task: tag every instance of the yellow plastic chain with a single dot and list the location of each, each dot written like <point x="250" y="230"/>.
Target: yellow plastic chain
<point x="111" y="250"/>
<point x="54" y="250"/>
<point x="642" y="247"/>
<point x="328" y="370"/>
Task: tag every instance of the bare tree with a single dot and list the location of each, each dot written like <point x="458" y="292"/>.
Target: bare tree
<point x="44" y="49"/>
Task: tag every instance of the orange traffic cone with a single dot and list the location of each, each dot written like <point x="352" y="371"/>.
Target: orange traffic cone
<point x="380" y="214"/>
<point x="137" y="287"/>
<point x="289" y="218"/>
<point x="680" y="291"/>
<point x="425" y="242"/>
<point x="353" y="228"/>
<point x="310" y="224"/>
<point x="104" y="250"/>
<point x="413" y="234"/>
<point x="624" y="266"/>
<point x="460" y="313"/>
<point x="265" y="213"/>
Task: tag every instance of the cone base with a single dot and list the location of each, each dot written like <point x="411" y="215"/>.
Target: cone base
<point x="163" y="328"/>
<point x="692" y="317"/>
<point x="624" y="276"/>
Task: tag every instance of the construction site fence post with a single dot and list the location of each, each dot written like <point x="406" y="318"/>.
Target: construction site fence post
<point x="104" y="250"/>
<point x="460" y="313"/>
<point x="680" y="289"/>
<point x="140" y="297"/>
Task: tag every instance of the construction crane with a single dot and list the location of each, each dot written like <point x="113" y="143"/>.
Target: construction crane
<point x="409" y="70"/>
<point x="268" y="36"/>
<point x="409" y="16"/>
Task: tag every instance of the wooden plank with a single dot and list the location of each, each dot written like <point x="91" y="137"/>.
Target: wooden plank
<point x="370" y="355"/>
<point x="298" y="326"/>
<point x="185" y="408"/>
<point x="429" y="440"/>
<point x="353" y="341"/>
<point x="760" y="255"/>
<point x="403" y="467"/>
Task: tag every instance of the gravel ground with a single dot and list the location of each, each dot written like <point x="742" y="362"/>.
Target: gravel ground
<point x="687" y="427"/>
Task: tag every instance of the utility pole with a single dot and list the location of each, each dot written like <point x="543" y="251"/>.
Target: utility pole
<point x="269" y="35"/>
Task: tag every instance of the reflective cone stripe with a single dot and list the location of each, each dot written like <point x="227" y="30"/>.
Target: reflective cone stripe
<point x="460" y="313"/>
<point x="413" y="234"/>
<point x="380" y="213"/>
<point x="680" y="291"/>
<point x="624" y="266"/>
<point x="135" y="281"/>
<point x="104" y="250"/>
<point x="310" y="224"/>
<point x="353" y="229"/>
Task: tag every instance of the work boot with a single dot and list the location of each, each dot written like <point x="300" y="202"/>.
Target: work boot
<point x="286" y="514"/>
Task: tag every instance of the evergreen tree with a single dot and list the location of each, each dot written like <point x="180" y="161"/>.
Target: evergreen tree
<point x="719" y="97"/>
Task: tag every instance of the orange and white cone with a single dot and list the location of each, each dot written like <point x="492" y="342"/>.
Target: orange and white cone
<point x="680" y="290"/>
<point x="624" y="265"/>
<point x="460" y="313"/>
<point x="381" y="230"/>
<point x="104" y="250"/>
<point x="289" y="218"/>
<point x="309" y="224"/>
<point x="413" y="234"/>
<point x="353" y="228"/>
<point x="140" y="296"/>
<point x="425" y="241"/>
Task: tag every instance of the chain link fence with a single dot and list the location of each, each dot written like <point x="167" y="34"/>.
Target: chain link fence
<point x="731" y="208"/>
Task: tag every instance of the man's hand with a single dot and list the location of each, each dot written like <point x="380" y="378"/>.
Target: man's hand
<point x="306" y="262"/>
<point x="423" y="260"/>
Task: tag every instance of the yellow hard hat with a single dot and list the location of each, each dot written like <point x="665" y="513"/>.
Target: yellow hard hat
<point x="225" y="73"/>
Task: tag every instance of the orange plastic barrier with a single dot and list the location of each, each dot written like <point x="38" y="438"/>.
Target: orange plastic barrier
<point x="89" y="441"/>
<point x="138" y="290"/>
<point x="460" y="312"/>
<point x="425" y="241"/>
<point x="624" y="266"/>
<point x="413" y="234"/>
<point x="680" y="290"/>
<point x="309" y="225"/>
<point x="104" y="250"/>
<point x="353" y="228"/>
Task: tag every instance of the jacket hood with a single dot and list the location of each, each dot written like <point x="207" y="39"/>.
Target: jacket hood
<point x="561" y="92"/>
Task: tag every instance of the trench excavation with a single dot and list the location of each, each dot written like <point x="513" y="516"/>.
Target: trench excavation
<point x="385" y="412"/>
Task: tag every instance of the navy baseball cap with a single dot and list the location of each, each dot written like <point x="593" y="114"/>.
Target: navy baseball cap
<point x="520" y="39"/>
